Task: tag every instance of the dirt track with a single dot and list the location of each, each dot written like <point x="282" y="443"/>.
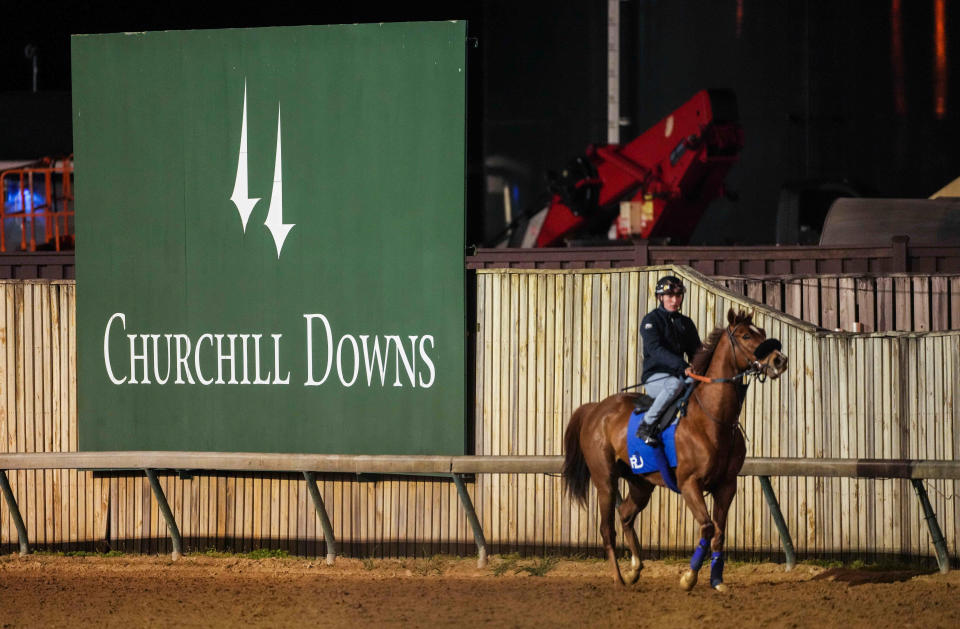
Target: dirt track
<point x="48" y="591"/>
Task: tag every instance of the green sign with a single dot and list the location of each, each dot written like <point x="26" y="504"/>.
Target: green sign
<point x="270" y="239"/>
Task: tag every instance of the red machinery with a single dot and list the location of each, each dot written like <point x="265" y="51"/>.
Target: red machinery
<point x="660" y="183"/>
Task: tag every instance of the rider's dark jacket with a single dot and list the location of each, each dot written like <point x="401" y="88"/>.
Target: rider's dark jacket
<point x="667" y="336"/>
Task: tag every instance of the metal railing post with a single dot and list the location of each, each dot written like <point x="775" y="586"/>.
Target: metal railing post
<point x="939" y="543"/>
<point x="324" y="518"/>
<point x="778" y="520"/>
<point x="15" y="512"/>
<point x="473" y="520"/>
<point x="167" y="514"/>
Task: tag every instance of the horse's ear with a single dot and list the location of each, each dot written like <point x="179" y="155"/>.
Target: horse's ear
<point x="730" y="316"/>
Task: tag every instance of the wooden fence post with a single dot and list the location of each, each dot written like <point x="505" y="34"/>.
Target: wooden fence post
<point x="641" y="253"/>
<point x="898" y="254"/>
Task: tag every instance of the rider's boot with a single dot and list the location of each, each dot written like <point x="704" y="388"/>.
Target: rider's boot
<point x="648" y="434"/>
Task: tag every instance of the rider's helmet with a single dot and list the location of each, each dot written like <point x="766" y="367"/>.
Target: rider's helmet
<point x="669" y="285"/>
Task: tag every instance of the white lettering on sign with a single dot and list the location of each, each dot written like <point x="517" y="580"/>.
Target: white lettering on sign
<point x="394" y="357"/>
<point x="387" y="360"/>
<point x="106" y="347"/>
<point x="326" y="325"/>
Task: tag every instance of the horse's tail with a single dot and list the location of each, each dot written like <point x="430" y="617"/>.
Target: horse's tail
<point x="576" y="475"/>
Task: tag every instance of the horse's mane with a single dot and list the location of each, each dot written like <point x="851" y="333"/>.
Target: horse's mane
<point x="705" y="354"/>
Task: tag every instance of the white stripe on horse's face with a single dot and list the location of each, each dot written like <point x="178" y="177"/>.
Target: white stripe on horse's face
<point x="754" y="329"/>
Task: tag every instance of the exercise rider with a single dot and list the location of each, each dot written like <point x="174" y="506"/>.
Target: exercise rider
<point x="667" y="336"/>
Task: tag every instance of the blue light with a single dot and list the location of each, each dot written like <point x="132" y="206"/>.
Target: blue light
<point x="13" y="201"/>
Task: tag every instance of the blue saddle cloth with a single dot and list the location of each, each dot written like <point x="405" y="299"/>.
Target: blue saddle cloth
<point x="644" y="459"/>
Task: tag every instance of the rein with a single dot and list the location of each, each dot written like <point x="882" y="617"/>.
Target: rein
<point x="733" y="427"/>
<point x="753" y="368"/>
<point x="749" y="371"/>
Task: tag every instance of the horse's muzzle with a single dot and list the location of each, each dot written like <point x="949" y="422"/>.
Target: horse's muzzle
<point x="775" y="364"/>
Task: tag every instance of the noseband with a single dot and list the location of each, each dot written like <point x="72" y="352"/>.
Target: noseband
<point x="753" y="366"/>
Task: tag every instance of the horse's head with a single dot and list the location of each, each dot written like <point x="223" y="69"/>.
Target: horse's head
<point x="751" y="348"/>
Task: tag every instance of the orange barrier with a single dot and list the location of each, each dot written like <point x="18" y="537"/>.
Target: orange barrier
<point x="55" y="211"/>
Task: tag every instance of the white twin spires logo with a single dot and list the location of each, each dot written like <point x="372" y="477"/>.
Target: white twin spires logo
<point x="241" y="194"/>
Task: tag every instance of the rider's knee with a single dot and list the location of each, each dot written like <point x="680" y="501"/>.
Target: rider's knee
<point x="676" y="385"/>
<point x="671" y="388"/>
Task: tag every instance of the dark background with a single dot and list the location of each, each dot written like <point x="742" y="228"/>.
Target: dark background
<point x="822" y="94"/>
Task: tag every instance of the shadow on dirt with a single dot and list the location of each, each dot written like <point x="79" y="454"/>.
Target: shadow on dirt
<point x="859" y="577"/>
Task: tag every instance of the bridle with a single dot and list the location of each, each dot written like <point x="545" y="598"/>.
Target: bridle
<point x="754" y="368"/>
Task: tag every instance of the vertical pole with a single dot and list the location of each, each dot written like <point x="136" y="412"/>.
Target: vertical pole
<point x="613" y="71"/>
<point x="167" y="514"/>
<point x="939" y="544"/>
<point x="473" y="520"/>
<point x="324" y="518"/>
<point x="15" y="512"/>
<point x="778" y="520"/>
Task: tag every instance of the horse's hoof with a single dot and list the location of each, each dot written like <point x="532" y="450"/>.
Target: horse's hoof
<point x="633" y="574"/>
<point x="720" y="587"/>
<point x="688" y="579"/>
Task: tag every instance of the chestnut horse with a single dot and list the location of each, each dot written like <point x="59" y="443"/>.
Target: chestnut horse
<point x="709" y="445"/>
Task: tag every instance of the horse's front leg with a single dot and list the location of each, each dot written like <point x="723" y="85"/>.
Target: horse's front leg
<point x="692" y="492"/>
<point x="722" y="498"/>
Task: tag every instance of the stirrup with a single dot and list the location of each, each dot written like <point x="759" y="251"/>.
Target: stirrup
<point x="648" y="434"/>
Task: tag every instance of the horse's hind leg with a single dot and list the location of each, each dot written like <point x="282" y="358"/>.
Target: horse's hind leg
<point x="637" y="499"/>
<point x="606" y="495"/>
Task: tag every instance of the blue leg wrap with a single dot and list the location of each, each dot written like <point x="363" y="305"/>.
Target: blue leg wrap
<point x="716" y="569"/>
<point x="699" y="555"/>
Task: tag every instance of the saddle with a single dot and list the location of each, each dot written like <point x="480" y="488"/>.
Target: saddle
<point x="675" y="410"/>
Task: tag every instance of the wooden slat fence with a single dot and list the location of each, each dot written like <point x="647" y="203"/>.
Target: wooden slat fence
<point x="73" y="510"/>
<point x="547" y="340"/>
<point x="864" y="303"/>
<point x="551" y="340"/>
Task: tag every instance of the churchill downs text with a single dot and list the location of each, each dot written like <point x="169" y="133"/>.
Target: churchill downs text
<point x="362" y="359"/>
